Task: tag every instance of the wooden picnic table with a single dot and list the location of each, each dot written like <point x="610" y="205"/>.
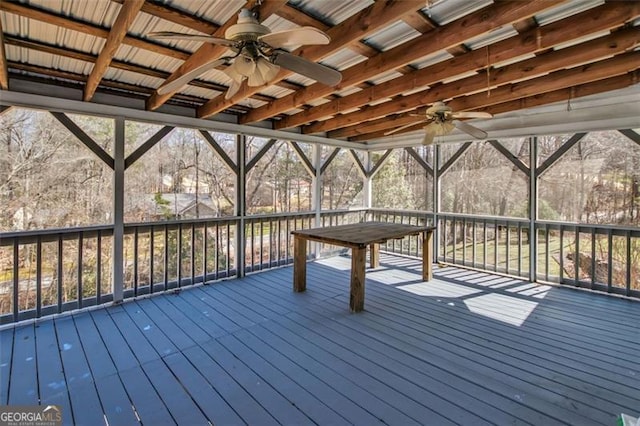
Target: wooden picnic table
<point x="357" y="237"/>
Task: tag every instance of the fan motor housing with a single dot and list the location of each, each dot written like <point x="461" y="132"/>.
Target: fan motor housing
<point x="247" y="29"/>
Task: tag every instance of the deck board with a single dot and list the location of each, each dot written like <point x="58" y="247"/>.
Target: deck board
<point x="465" y="348"/>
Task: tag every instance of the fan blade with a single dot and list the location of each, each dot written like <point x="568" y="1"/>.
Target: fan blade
<point x="170" y="35"/>
<point x="471" y="114"/>
<point x="295" y="37"/>
<point x="305" y="67"/>
<point x="397" y="129"/>
<point x="468" y="128"/>
<point x="181" y="81"/>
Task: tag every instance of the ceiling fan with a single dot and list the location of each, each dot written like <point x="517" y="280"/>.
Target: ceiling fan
<point x="257" y="54"/>
<point x="441" y="120"/>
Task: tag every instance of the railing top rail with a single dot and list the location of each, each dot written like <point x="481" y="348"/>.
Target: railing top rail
<point x="485" y="217"/>
<point x="4" y="236"/>
<point x="635" y="230"/>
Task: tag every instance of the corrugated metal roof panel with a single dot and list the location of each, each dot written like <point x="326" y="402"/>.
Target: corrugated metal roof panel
<point x="51" y="34"/>
<point x="566" y="9"/>
<point x="389" y="75"/>
<point x="318" y="102"/>
<point x="447" y="11"/>
<point x="129" y="77"/>
<point x="298" y="79"/>
<point x="276" y="91"/>
<point x="431" y="59"/>
<point x="102" y="13"/>
<point x="392" y="36"/>
<point x="331" y="11"/>
<point x="218" y="11"/>
<point x="343" y="58"/>
<point x="491" y="37"/>
<point x="47" y="60"/>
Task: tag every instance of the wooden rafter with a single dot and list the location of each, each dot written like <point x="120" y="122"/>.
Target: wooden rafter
<point x="444" y="37"/>
<point x="599" y="19"/>
<point x="208" y="52"/>
<point x="41" y="15"/>
<point x="177" y="16"/>
<point x="129" y="90"/>
<point x="4" y="72"/>
<point x="600" y="86"/>
<point x="126" y="16"/>
<point x="521" y="71"/>
<point x="127" y="66"/>
<point x="349" y="31"/>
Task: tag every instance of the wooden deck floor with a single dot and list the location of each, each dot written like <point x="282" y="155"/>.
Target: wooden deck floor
<point x="465" y="348"/>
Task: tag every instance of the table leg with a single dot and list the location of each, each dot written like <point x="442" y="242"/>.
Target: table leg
<point x="427" y="255"/>
<point x="374" y="255"/>
<point x="299" y="264"/>
<point x="356" y="299"/>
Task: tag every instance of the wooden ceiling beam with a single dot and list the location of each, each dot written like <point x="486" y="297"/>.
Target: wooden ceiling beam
<point x="87" y="28"/>
<point x="176" y="16"/>
<point x="598" y="19"/>
<point x="126" y="16"/>
<point x="376" y="16"/>
<point x="208" y="52"/>
<point x="588" y="52"/>
<point x="131" y="89"/>
<point x="444" y="37"/>
<point x="86" y="57"/>
<point x="534" y="100"/>
<point x="4" y="72"/>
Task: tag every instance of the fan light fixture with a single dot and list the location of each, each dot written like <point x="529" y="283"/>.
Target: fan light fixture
<point x="258" y="54"/>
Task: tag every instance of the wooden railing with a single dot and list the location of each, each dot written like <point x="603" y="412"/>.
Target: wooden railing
<point x="52" y="271"/>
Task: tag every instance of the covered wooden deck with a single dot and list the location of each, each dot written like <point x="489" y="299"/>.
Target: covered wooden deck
<point x="466" y="348"/>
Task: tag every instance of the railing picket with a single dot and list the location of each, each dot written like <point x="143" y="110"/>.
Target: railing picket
<point x="205" y="253"/>
<point x="628" y="284"/>
<point x="16" y="280"/>
<point x="79" y="283"/>
<point x="193" y="254"/>
<point x="166" y="257"/>
<point x="135" y="261"/>
<point x="59" y="272"/>
<point x="546" y="251"/>
<point x="152" y="238"/>
<point x="593" y="258"/>
<point x="179" y="257"/>
<point x="39" y="277"/>
<point x="99" y="268"/>
<point x="609" y="259"/>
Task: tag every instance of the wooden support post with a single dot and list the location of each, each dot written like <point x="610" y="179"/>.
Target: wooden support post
<point x="299" y="264"/>
<point x="356" y="299"/>
<point x="374" y="255"/>
<point x="427" y="255"/>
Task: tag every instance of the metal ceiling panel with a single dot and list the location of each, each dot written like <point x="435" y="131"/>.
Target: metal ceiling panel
<point x="343" y="59"/>
<point x="276" y="91"/>
<point x="47" y="60"/>
<point x="218" y="11"/>
<point x="101" y="13"/>
<point x="431" y="59"/>
<point x="491" y="37"/>
<point x="446" y="11"/>
<point x="331" y="11"/>
<point x="381" y="78"/>
<point x="569" y="8"/>
<point x="392" y="36"/>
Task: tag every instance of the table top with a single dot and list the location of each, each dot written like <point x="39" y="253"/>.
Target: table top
<point x="362" y="234"/>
